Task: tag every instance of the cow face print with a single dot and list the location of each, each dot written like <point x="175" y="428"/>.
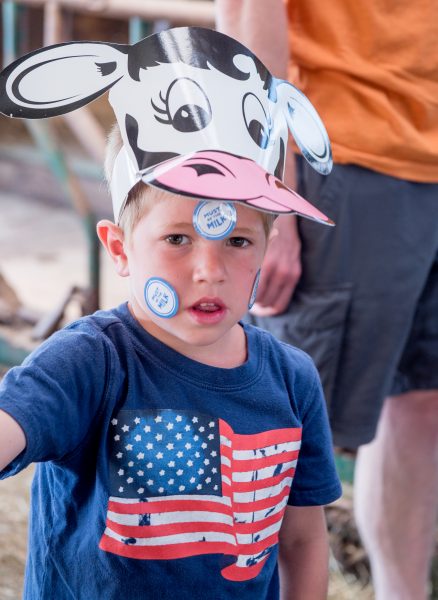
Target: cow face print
<point x="185" y="106"/>
<point x="185" y="92"/>
<point x="180" y="108"/>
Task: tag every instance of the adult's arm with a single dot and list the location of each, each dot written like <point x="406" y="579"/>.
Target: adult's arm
<point x="262" y="26"/>
<point x="259" y="24"/>
<point x="303" y="554"/>
<point x="12" y="439"/>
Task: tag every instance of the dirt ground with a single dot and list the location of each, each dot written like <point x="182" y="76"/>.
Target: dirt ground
<point x="14" y="502"/>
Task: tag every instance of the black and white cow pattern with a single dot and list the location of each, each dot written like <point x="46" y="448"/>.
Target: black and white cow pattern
<point x="174" y="93"/>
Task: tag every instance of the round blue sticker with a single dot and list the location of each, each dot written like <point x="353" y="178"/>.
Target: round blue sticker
<point x="214" y="220"/>
<point x="160" y="297"/>
<point x="254" y="290"/>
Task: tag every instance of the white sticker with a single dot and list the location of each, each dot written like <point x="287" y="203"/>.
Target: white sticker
<point x="160" y="297"/>
<point x="214" y="220"/>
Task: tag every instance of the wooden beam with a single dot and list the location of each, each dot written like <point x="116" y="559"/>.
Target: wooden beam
<point x="177" y="12"/>
<point x="52" y="23"/>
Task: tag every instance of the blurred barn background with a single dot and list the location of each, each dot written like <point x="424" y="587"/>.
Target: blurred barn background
<point x="51" y="271"/>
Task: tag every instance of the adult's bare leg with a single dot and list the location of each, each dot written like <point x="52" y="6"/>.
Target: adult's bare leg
<point x="396" y="495"/>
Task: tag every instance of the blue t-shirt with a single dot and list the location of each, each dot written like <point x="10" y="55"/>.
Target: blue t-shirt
<point x="162" y="477"/>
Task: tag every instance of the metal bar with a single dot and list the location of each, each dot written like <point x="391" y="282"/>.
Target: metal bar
<point x="82" y="123"/>
<point x="11" y="355"/>
<point x="345" y="465"/>
<point x="9" y="15"/>
<point x="69" y="183"/>
<point x="193" y="12"/>
<point x="82" y="167"/>
<point x="50" y="322"/>
<point x="91" y="302"/>
<point x="52" y="33"/>
<point x="88" y="131"/>
<point x="135" y="30"/>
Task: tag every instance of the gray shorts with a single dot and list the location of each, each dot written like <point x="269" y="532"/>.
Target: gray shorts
<point x="366" y="307"/>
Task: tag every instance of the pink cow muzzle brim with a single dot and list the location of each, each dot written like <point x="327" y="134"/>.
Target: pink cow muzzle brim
<point x="217" y="175"/>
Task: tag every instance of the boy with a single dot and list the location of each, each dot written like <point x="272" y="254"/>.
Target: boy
<point x="169" y="433"/>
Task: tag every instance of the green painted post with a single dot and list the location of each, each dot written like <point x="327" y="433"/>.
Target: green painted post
<point x="345" y="467"/>
<point x="138" y="29"/>
<point x="9" y="16"/>
<point x="42" y="135"/>
<point x="11" y="355"/>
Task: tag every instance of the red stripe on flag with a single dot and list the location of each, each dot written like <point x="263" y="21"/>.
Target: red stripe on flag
<point x="190" y="527"/>
<point x="225" y="429"/>
<point x="259" y="484"/>
<point x="166" y="552"/>
<point x="227" y="452"/>
<point x="266" y="461"/>
<point x="235" y="573"/>
<point x="184" y="549"/>
<point x="266" y="503"/>
<point x="257" y="547"/>
<point x="266" y="438"/>
<point x="165" y="505"/>
<point x="153" y="531"/>
<point x="257" y="526"/>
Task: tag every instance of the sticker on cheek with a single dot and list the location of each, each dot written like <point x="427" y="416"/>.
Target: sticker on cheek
<point x="214" y="220"/>
<point x="254" y="290"/>
<point x="160" y="297"/>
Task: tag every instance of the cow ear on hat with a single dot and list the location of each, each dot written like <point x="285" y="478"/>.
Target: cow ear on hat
<point x="58" y="79"/>
<point x="306" y="127"/>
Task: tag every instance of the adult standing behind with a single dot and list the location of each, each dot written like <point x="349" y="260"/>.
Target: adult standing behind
<point x="365" y="294"/>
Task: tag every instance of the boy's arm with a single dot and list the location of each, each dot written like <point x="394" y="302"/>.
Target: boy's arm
<point x="303" y="554"/>
<point x="12" y="439"/>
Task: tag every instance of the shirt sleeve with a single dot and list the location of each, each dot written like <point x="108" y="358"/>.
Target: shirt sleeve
<point x="316" y="481"/>
<point x="57" y="394"/>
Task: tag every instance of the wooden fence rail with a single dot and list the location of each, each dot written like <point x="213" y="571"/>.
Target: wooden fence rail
<point x="193" y="12"/>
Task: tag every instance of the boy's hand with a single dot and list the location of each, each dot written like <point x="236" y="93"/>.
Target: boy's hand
<point x="12" y="439"/>
<point x="281" y="269"/>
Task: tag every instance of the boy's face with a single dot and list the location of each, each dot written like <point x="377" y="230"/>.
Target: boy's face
<point x="213" y="279"/>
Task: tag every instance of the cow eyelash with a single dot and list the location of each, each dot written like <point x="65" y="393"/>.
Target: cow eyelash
<point x="163" y="111"/>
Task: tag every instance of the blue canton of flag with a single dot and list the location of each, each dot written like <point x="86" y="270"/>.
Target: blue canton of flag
<point x="164" y="453"/>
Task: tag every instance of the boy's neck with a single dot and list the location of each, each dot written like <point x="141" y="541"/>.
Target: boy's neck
<point x="230" y="354"/>
<point x="227" y="353"/>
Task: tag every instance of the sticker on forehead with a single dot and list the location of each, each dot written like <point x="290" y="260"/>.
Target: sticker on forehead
<point x="160" y="297"/>
<point x="214" y="220"/>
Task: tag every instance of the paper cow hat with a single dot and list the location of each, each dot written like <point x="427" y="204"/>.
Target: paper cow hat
<point x="199" y="114"/>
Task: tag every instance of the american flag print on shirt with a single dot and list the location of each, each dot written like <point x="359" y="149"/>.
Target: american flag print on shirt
<point x="185" y="484"/>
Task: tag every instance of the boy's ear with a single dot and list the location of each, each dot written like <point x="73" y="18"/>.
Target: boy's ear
<point x="113" y="240"/>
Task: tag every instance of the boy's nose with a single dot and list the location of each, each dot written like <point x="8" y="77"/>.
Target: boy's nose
<point x="209" y="264"/>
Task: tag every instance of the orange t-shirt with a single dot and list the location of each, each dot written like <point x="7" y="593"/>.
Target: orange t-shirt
<point x="371" y="70"/>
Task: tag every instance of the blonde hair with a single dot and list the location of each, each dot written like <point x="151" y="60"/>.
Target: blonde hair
<point x="141" y="195"/>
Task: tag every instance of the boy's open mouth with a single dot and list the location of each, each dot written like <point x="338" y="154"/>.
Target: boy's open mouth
<point x="207" y="307"/>
<point x="209" y="310"/>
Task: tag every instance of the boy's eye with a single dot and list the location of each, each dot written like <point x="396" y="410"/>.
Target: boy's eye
<point x="239" y="242"/>
<point x="177" y="239"/>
